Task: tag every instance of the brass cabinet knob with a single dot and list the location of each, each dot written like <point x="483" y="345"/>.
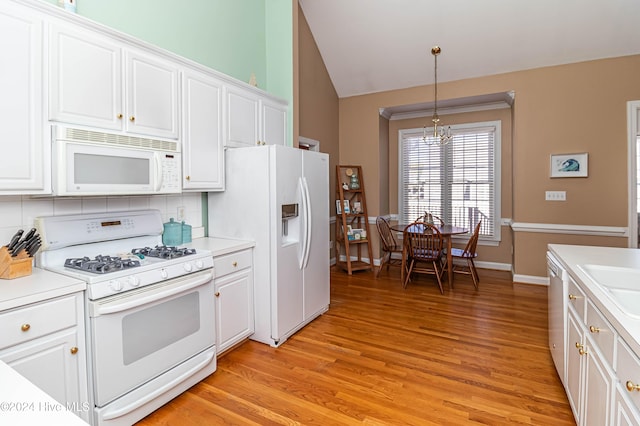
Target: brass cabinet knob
<point x="217" y="294"/>
<point x="594" y="329"/>
<point x="632" y="387"/>
<point x="572" y="297"/>
<point x="132" y="118"/>
<point x="188" y="178"/>
<point x="119" y="116"/>
<point x="580" y="347"/>
<point x="234" y="264"/>
<point x="73" y="350"/>
<point x="25" y="327"/>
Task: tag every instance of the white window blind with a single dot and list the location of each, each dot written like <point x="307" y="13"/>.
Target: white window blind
<point x="459" y="182"/>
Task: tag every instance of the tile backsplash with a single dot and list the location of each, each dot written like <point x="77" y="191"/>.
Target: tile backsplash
<point x="19" y="212"/>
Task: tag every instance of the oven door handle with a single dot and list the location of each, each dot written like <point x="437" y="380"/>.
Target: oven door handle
<point x="151" y="296"/>
<point x="118" y="412"/>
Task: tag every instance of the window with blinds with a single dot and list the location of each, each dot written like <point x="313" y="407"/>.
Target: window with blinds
<point x="459" y="182"/>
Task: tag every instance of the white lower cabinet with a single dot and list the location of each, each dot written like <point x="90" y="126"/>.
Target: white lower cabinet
<point x="590" y="349"/>
<point x="44" y="342"/>
<point x="234" y="298"/>
<point x="623" y="412"/>
<point x="627" y="399"/>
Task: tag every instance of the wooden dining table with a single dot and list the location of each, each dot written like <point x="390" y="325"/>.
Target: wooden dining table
<point x="447" y="232"/>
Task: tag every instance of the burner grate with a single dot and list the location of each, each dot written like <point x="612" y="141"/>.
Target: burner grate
<point x="101" y="264"/>
<point x="163" y="252"/>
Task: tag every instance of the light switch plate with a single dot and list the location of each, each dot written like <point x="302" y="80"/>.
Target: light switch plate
<point x="555" y="195"/>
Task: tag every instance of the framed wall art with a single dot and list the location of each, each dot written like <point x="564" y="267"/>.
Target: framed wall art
<point x="569" y="165"/>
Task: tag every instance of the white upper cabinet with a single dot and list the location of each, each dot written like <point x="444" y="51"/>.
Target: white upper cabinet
<point x="25" y="160"/>
<point x="203" y="152"/>
<point x="274" y="122"/>
<point x="87" y="71"/>
<point x="242" y="117"/>
<point x="152" y="96"/>
<point x="253" y="119"/>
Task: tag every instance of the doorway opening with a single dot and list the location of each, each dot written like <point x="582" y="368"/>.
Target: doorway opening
<point x="633" y="121"/>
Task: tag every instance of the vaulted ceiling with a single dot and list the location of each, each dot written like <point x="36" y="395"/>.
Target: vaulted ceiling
<point x="377" y="45"/>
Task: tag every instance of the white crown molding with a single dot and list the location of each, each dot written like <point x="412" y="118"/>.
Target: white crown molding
<point x="551" y="228"/>
<point x="484" y="102"/>
<point x="446" y="111"/>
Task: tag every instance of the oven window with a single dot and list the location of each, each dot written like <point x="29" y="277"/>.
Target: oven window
<point x="107" y="169"/>
<point x="149" y="330"/>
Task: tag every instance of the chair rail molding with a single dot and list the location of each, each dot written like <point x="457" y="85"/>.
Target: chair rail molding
<point x="552" y="228"/>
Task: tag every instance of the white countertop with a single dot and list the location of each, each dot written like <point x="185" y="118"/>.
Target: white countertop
<point x="40" y="285"/>
<point x="220" y="246"/>
<point x="571" y="256"/>
<point x="22" y="402"/>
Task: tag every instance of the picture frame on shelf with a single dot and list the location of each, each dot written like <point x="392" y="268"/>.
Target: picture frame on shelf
<point x="357" y="207"/>
<point x="342" y="206"/>
<point x="569" y="165"/>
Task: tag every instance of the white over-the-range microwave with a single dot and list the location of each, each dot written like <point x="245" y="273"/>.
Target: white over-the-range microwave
<point x="87" y="162"/>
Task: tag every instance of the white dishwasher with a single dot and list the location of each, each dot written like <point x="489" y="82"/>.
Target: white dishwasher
<point x="557" y="295"/>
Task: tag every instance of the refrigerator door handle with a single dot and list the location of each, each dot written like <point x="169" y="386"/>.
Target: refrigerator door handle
<point x="306" y="211"/>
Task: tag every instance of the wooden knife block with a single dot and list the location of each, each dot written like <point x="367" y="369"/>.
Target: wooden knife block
<point x="14" y="267"/>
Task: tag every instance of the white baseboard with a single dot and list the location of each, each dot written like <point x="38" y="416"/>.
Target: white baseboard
<point x="530" y="279"/>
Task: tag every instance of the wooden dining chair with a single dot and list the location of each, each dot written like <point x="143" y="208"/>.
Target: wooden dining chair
<point x="468" y="254"/>
<point x="389" y="245"/>
<point x="423" y="251"/>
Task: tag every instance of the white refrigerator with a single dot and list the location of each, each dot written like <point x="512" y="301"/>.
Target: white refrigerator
<point x="278" y="196"/>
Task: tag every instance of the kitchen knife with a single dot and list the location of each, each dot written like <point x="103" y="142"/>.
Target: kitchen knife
<point x="30" y="234"/>
<point x="33" y="248"/>
<point x="15" y="239"/>
<point x="31" y="243"/>
<point x="18" y="248"/>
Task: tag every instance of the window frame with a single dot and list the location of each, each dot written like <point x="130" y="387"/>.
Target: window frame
<point x="497" y="172"/>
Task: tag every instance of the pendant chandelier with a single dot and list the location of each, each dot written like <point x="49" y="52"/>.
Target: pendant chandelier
<point x="440" y="135"/>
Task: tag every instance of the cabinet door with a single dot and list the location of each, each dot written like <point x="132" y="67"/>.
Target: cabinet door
<point x="597" y="389"/>
<point x="24" y="163"/>
<point x="574" y="364"/>
<point x="242" y="118"/>
<point x="203" y="150"/>
<point x="53" y="363"/>
<point x="234" y="297"/>
<point x="274" y="123"/>
<point x="624" y="414"/>
<point x="85" y="79"/>
<point x="152" y="96"/>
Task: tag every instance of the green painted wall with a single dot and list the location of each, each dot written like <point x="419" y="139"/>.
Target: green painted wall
<point x="279" y="53"/>
<point x="235" y="37"/>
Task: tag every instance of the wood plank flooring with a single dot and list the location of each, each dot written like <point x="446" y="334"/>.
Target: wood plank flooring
<point x="382" y="355"/>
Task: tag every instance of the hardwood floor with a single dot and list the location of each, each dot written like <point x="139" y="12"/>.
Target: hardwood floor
<point x="382" y="355"/>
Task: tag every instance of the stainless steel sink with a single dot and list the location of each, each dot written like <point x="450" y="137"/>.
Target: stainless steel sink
<point x="621" y="284"/>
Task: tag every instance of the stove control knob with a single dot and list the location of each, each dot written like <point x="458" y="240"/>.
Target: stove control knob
<point x="133" y="281"/>
<point x="115" y="285"/>
<point x="188" y="267"/>
<point x="199" y="264"/>
<point x="164" y="274"/>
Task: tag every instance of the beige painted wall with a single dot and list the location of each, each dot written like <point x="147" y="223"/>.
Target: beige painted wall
<point x="563" y="109"/>
<point x="317" y="101"/>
